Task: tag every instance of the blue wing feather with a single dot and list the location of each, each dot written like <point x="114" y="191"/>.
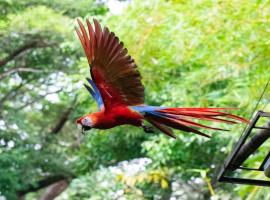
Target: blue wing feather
<point x="95" y="93"/>
<point x="145" y="108"/>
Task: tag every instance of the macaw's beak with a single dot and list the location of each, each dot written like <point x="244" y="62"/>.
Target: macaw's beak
<point x="86" y="128"/>
<point x="83" y="128"/>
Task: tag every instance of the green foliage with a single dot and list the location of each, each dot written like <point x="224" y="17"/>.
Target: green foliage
<point x="103" y="149"/>
<point x="64" y="7"/>
<point x="190" y="53"/>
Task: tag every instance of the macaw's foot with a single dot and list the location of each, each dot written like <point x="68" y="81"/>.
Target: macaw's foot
<point x="148" y="129"/>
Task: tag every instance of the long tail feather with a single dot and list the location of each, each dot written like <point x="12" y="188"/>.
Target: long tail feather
<point x="182" y="118"/>
<point x="159" y="117"/>
<point x="204" y="112"/>
<point x="162" y="128"/>
<point x="215" y="119"/>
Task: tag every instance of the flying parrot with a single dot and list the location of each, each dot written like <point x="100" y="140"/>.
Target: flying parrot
<point x="116" y="86"/>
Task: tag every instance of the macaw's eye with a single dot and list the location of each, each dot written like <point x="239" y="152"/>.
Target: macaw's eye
<point x="86" y="121"/>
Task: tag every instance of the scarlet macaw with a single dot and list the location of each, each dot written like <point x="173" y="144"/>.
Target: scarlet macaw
<point x="116" y="86"/>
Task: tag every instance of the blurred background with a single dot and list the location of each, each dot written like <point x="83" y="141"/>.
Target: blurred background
<point x="190" y="53"/>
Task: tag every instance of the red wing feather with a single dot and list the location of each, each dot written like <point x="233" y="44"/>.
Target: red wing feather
<point x="112" y="69"/>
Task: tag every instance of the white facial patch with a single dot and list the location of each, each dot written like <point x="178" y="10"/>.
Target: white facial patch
<point x="86" y="121"/>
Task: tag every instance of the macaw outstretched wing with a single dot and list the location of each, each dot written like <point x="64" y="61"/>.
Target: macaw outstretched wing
<point x="113" y="71"/>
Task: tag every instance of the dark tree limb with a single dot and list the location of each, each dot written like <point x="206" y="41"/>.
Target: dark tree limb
<point x="37" y="99"/>
<point x="9" y="94"/>
<point x="30" y="45"/>
<point x="58" y="183"/>
<point x="54" y="190"/>
<point x="64" y="118"/>
<point x="41" y="184"/>
<point x="14" y="92"/>
<point x="18" y="69"/>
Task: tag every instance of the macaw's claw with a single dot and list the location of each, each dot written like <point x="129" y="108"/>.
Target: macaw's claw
<point x="148" y="129"/>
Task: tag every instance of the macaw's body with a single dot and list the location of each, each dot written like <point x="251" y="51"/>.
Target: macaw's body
<point x="116" y="86"/>
<point x="117" y="116"/>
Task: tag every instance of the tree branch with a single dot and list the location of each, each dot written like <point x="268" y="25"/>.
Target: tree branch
<point x="54" y="190"/>
<point x="58" y="183"/>
<point x="64" y="118"/>
<point x="9" y="94"/>
<point x="18" y="69"/>
<point x="30" y="45"/>
<point x="36" y="99"/>
<point x="41" y="184"/>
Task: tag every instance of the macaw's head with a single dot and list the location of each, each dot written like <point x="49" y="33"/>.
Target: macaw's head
<point x="84" y="123"/>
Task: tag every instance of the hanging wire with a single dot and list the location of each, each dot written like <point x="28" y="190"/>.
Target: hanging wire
<point x="267" y="101"/>
<point x="257" y="104"/>
<point x="259" y="100"/>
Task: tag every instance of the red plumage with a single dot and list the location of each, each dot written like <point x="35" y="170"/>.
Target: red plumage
<point x="117" y="88"/>
<point x="117" y="116"/>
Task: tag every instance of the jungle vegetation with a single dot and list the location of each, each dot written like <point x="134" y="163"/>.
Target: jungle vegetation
<point x="195" y="53"/>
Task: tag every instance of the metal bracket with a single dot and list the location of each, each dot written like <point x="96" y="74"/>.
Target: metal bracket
<point x="226" y="173"/>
